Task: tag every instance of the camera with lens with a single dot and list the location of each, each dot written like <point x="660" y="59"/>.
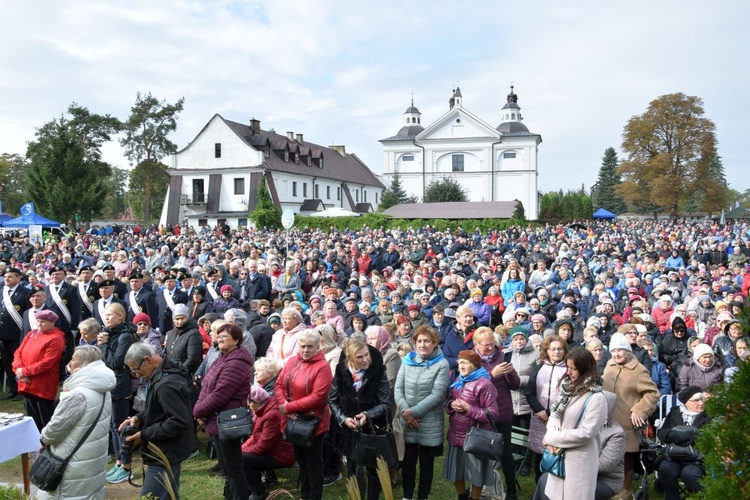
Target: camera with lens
<point x="126" y="447"/>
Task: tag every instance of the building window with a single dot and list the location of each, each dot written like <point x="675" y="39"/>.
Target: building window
<point x="296" y="157"/>
<point x="217" y="150"/>
<point x="356" y="195"/>
<point x="321" y="163"/>
<point x="364" y="196"/>
<point x="267" y="152"/>
<point x="294" y="188"/>
<point x="376" y="197"/>
<point x="309" y="160"/>
<point x="338" y="193"/>
<point x="242" y="222"/>
<point x="328" y="192"/>
<point x="316" y="190"/>
<point x="239" y="185"/>
<point x="304" y="189"/>
<point x="199" y="193"/>
<point x="286" y="156"/>
<point x="202" y="222"/>
<point x="458" y="163"/>
<point x="407" y="158"/>
<point x="509" y="154"/>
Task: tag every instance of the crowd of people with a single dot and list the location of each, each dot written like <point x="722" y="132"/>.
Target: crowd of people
<point x="573" y="333"/>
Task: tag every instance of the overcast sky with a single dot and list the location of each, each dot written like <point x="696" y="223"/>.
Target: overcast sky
<point x="343" y="72"/>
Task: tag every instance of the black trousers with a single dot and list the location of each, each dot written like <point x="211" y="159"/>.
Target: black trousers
<point x="40" y="409"/>
<point x="230" y="457"/>
<point x="426" y="456"/>
<point x="254" y="465"/>
<point x="7" y="349"/>
<point x="364" y="475"/>
<point x="671" y="472"/>
<point x="310" y="462"/>
<point x="507" y="462"/>
<point x="331" y="451"/>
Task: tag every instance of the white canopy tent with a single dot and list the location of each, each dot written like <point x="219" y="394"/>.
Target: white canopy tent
<point x="335" y="212"/>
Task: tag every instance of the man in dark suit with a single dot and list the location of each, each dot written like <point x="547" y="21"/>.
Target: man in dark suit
<point x="14" y="300"/>
<point x="37" y="299"/>
<point x="140" y="300"/>
<point x="213" y="285"/>
<point x="262" y="288"/>
<point x="244" y="290"/>
<point x="87" y="291"/>
<point x="106" y="291"/>
<point x="121" y="290"/>
<point x="63" y="300"/>
<point x="166" y="300"/>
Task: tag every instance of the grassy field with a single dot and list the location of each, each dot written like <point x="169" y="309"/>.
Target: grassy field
<point x="198" y="484"/>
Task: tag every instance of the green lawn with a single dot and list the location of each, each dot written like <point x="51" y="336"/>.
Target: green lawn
<point x="198" y="484"/>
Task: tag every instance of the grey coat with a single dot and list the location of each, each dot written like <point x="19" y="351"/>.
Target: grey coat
<point x="524" y="362"/>
<point x="423" y="390"/>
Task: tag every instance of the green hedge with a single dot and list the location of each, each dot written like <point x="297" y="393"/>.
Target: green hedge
<point x="377" y="220"/>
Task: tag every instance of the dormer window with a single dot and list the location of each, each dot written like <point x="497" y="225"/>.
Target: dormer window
<point x="296" y="157"/>
<point x="286" y="156"/>
<point x="309" y="160"/>
<point x="267" y="152"/>
<point x="321" y="163"/>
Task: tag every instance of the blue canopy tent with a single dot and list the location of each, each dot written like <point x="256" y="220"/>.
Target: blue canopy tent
<point x="604" y="214"/>
<point x="4" y="218"/>
<point x="30" y="218"/>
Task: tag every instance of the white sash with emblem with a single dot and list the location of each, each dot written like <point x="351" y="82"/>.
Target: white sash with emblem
<point x="17" y="319"/>
<point x="169" y="300"/>
<point x="212" y="291"/>
<point x="85" y="298"/>
<point x="133" y="303"/>
<point x="59" y="301"/>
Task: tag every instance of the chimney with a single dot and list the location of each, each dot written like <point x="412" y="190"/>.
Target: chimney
<point x="340" y="150"/>
<point x="254" y="126"/>
<point x="290" y="136"/>
<point x="299" y="138"/>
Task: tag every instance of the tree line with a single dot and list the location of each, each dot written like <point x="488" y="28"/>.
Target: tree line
<point x="64" y="174"/>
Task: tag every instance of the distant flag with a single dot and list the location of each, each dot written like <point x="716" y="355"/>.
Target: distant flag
<point x="27" y="211"/>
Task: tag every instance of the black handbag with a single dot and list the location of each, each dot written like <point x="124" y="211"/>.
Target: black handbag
<point x="48" y="469"/>
<point x="373" y="443"/>
<point x="236" y="423"/>
<point x="484" y="443"/>
<point x="300" y="431"/>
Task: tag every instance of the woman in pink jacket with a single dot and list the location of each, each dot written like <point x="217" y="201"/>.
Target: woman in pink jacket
<point x="473" y="400"/>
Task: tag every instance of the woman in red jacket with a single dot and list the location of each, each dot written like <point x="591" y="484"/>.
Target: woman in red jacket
<point x="264" y="449"/>
<point x="36" y="364"/>
<point x="302" y="390"/>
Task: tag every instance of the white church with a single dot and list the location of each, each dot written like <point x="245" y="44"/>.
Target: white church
<point x="491" y="163"/>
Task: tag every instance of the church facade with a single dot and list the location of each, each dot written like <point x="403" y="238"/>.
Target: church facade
<point x="491" y="163"/>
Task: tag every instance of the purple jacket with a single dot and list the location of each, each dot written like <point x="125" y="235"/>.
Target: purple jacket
<point x="480" y="394"/>
<point x="225" y="386"/>
<point x="482" y="311"/>
<point x="503" y="385"/>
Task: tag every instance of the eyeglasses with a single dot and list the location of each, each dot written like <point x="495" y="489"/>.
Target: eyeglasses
<point x="631" y="333"/>
<point x="697" y="399"/>
<point x="486" y="345"/>
<point x="137" y="371"/>
<point x="223" y="336"/>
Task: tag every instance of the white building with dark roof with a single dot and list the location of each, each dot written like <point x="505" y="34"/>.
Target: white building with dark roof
<point x="491" y="163"/>
<point x="214" y="179"/>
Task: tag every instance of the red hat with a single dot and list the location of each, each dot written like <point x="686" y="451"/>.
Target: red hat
<point x="226" y="288"/>
<point x="413" y="307"/>
<point x="142" y="317"/>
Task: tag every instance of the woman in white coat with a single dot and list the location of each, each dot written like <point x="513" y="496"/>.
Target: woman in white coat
<point x="83" y="395"/>
<point x="576" y="420"/>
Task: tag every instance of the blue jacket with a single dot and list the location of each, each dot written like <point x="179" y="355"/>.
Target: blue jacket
<point x="661" y="378"/>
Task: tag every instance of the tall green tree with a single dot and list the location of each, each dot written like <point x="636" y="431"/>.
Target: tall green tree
<point x="265" y="214"/>
<point x="61" y="178"/>
<point x="604" y="196"/>
<point x="667" y="148"/>
<point x="12" y="185"/>
<point x="394" y="195"/>
<point x="145" y="143"/>
<point x="116" y="202"/>
<point x="445" y="189"/>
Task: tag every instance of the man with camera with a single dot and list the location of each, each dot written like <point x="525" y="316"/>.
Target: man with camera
<point x="166" y="422"/>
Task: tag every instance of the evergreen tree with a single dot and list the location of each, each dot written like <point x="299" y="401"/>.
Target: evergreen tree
<point x="397" y="189"/>
<point x="519" y="213"/>
<point x="60" y="179"/>
<point x="711" y="190"/>
<point x="605" y="196"/>
<point x="265" y="215"/>
<point x="445" y="189"/>
<point x="12" y="186"/>
<point x="394" y="195"/>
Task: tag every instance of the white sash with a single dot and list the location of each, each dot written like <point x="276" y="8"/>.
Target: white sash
<point x="102" y="307"/>
<point x="212" y="291"/>
<point x="56" y="297"/>
<point x="17" y="319"/>
<point x="170" y="301"/>
<point x="32" y="319"/>
<point x="133" y="303"/>
<point x="85" y="298"/>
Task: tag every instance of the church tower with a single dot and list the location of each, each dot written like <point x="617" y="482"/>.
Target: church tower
<point x="455" y="100"/>
<point x="511" y="115"/>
